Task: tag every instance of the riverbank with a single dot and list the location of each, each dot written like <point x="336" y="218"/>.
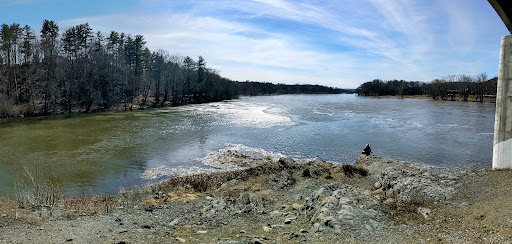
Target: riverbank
<point x="282" y="201"/>
<point x="457" y="99"/>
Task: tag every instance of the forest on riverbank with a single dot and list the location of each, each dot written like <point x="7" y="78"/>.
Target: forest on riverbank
<point x="451" y="87"/>
<point x="79" y="70"/>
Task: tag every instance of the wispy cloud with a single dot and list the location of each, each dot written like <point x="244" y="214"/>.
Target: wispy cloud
<point x="313" y="41"/>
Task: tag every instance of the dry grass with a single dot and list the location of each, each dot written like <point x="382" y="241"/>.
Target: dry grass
<point x="192" y="187"/>
<point x="402" y="211"/>
<point x="37" y="190"/>
<point x="7" y="210"/>
<point x="352" y="170"/>
<point x="90" y="205"/>
<point x="11" y="213"/>
<point x="212" y="181"/>
<point x="40" y="193"/>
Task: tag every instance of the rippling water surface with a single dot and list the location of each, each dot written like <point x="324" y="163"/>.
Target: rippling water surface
<point x="104" y="152"/>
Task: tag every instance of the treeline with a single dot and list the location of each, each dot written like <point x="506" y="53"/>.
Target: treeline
<point x="78" y="70"/>
<point x="451" y="87"/>
<point x="81" y="71"/>
<point x="390" y="88"/>
<point x="252" y="88"/>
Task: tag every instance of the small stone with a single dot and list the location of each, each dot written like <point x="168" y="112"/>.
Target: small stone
<point x="464" y="204"/>
<point x="3" y="215"/>
<point x="377" y="185"/>
<point x="175" y="222"/>
<point x="202" y="232"/>
<point x="389" y="201"/>
<point x="104" y="236"/>
<point x="209" y="198"/>
<point x="242" y="231"/>
<point x="256" y="241"/>
<point x="118" y="220"/>
<point x="122" y="242"/>
<point x="180" y="240"/>
<point x="41" y="228"/>
<point x="296" y="206"/>
<point x="425" y="212"/>
<point x="266" y="228"/>
<point x="303" y="231"/>
<point x="122" y="231"/>
<point x="276" y="213"/>
<point x="288" y="221"/>
<point x="69" y="239"/>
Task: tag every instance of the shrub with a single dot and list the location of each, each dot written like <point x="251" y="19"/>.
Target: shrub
<point x="351" y="170"/>
<point x="36" y="190"/>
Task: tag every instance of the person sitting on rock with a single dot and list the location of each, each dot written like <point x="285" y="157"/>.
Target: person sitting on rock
<point x="367" y="150"/>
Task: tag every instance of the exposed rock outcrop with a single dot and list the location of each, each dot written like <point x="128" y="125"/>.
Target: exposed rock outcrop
<point x="397" y="180"/>
<point x="339" y="207"/>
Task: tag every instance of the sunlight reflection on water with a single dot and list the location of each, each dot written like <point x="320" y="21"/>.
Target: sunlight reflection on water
<point x="102" y="152"/>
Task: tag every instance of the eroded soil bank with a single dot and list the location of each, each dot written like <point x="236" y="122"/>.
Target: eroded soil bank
<point x="374" y="201"/>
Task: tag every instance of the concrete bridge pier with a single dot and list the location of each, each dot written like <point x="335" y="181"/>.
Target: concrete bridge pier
<point x="502" y="150"/>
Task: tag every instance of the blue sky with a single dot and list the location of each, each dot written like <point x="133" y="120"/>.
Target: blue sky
<point x="339" y="43"/>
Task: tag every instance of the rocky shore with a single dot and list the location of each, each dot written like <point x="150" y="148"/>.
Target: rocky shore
<point x="375" y="200"/>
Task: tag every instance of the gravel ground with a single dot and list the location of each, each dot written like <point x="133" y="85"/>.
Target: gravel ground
<point x="374" y="201"/>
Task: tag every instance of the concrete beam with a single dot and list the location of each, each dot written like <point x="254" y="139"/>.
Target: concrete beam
<point x="502" y="150"/>
<point x="504" y="10"/>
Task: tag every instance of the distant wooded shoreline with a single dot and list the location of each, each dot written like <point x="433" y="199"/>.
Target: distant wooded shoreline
<point x="452" y="87"/>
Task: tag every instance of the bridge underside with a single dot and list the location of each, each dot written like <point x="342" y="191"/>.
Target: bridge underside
<point x="504" y="10"/>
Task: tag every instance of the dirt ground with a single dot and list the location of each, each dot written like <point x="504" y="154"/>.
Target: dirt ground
<point x="375" y="201"/>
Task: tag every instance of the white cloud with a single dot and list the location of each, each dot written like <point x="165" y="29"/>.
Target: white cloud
<point x="400" y="39"/>
<point x="271" y="56"/>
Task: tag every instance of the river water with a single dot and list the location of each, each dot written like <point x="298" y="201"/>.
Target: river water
<point x="105" y="152"/>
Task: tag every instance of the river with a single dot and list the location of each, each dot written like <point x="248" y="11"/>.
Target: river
<point x="108" y="152"/>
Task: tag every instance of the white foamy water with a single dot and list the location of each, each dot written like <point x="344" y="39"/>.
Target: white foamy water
<point x="453" y="125"/>
<point x="239" y="156"/>
<point x="233" y="157"/>
<point x="162" y="171"/>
